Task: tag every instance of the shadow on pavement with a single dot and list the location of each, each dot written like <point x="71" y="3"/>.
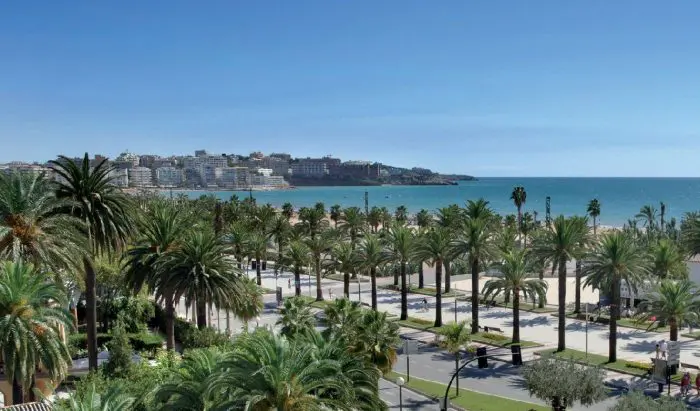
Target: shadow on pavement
<point x="645" y="346"/>
<point x="495" y="314"/>
<point x="531" y="322"/>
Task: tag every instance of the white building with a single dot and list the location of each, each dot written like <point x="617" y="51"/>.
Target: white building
<point x="140" y="177"/>
<point x="119" y="178"/>
<point x="170" y="176"/>
<point x="233" y="177"/>
<point x="126" y="160"/>
<point x="205" y="166"/>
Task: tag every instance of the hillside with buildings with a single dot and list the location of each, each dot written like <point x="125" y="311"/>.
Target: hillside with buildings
<point x="255" y="171"/>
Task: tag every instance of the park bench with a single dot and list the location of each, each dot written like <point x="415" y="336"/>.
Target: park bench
<point x="488" y="329"/>
<point x="691" y="366"/>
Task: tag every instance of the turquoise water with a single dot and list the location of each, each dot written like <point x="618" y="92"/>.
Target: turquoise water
<point x="620" y="198"/>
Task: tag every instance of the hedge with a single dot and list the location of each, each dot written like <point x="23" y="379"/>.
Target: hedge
<point x="77" y="343"/>
<point x="187" y="334"/>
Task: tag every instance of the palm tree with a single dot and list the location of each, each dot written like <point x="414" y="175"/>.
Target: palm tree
<point x="280" y="230"/>
<point x="478" y="209"/>
<point x="335" y="214"/>
<point x="312" y="221"/>
<point x="342" y="317"/>
<point x="423" y="220"/>
<point x="294" y="377"/>
<point x="160" y="231"/>
<point x="318" y="246"/>
<point x="647" y="215"/>
<point x="106" y="213"/>
<point x="377" y="339"/>
<point x="185" y="389"/>
<point x="296" y="254"/>
<point x="258" y="245"/>
<point x="371" y="254"/>
<point x="673" y="303"/>
<point x="593" y="210"/>
<point x="400" y="242"/>
<point x="288" y="211"/>
<point x="386" y="217"/>
<point x="401" y="214"/>
<point x="476" y="243"/>
<point x="454" y="337"/>
<point x="111" y="400"/>
<point x="690" y="233"/>
<point x="434" y="247"/>
<point x="668" y="262"/>
<point x="249" y="303"/>
<point x="663" y="214"/>
<point x="31" y="318"/>
<point x="201" y="271"/>
<point x="527" y="225"/>
<point x="352" y="222"/>
<point x="450" y="219"/>
<point x="616" y="259"/>
<point x="374" y="218"/>
<point x="564" y="240"/>
<point x="237" y="238"/>
<point x="32" y="227"/>
<point x="345" y="260"/>
<point x="519" y="197"/>
<point x="296" y="317"/>
<point x="514" y="280"/>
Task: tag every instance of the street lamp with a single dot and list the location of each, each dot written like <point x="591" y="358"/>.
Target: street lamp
<point x="455" y="292"/>
<point x="400" y="382"/>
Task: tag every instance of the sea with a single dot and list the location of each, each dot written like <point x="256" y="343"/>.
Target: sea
<point x="620" y="198"/>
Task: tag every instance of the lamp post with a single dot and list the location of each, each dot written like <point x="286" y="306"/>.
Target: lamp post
<point x="400" y="382"/>
<point x="455" y="292"/>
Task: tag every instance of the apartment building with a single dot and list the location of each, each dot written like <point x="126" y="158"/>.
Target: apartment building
<point x="119" y="177"/>
<point x="233" y="177"/>
<point x="313" y="167"/>
<point x="126" y="160"/>
<point x="170" y="176"/>
<point x="140" y="177"/>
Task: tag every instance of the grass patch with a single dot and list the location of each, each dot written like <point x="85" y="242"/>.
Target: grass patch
<point x="268" y="290"/>
<point x="471" y="400"/>
<point x="415" y="290"/>
<point x="695" y="335"/>
<point x="623" y="366"/>
<point x="622" y="322"/>
<point x="500" y="340"/>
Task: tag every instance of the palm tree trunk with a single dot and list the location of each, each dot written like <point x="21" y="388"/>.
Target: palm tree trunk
<point x="562" y="305"/>
<point x="319" y="289"/>
<point x="404" y="293"/>
<point x="258" y="270"/>
<point x="346" y="285"/>
<point x="17" y="393"/>
<point x="594" y="227"/>
<point x="201" y="312"/>
<point x="475" y="295"/>
<point x="91" y="312"/>
<point x="457" y="368"/>
<point x="420" y="275"/>
<point x="396" y="277"/>
<point x="373" y="277"/>
<point x="614" y="313"/>
<point x="448" y="274"/>
<point x="170" y="323"/>
<point x="577" y="300"/>
<point x="673" y="324"/>
<point x="297" y="281"/>
<point x="541" y="300"/>
<point x="438" y="293"/>
<point x="516" y="316"/>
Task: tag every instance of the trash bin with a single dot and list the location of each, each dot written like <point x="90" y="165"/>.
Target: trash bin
<point x="482" y="360"/>
<point x="254" y="265"/>
<point x="264" y="265"/>
<point x="517" y="355"/>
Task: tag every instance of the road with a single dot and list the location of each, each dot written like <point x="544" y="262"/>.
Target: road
<point x="411" y="401"/>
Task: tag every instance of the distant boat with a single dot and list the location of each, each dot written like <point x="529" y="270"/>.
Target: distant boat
<point x="387" y="196"/>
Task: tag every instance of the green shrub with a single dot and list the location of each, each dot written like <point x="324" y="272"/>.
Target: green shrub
<point x="638" y="365"/>
<point x="146" y="342"/>
<point x="77" y="343"/>
<point x="420" y="321"/>
<point x="494" y="336"/>
<point x="204" y="338"/>
<point x="134" y="312"/>
<point x="120" y="353"/>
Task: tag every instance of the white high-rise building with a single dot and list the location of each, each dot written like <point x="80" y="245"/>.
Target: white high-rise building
<point x="170" y="176"/>
<point x="140" y="177"/>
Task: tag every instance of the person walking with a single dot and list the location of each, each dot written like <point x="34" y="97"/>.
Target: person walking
<point x="664" y="349"/>
<point x="289" y="283"/>
<point x="685" y="383"/>
<point x="425" y="305"/>
<point x="658" y="351"/>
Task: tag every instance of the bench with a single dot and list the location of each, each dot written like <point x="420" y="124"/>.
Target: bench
<point x="690" y="366"/>
<point x="492" y="329"/>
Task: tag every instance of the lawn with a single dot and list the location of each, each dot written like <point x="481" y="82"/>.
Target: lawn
<point x="470" y="400"/>
<point x="694" y="335"/>
<point x="415" y="290"/>
<point x="498" y="340"/>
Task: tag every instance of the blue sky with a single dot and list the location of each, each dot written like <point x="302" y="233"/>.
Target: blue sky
<point x="489" y="88"/>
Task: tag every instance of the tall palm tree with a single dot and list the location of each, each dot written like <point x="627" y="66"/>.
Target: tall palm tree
<point x="475" y="241"/>
<point x="690" y="233"/>
<point x="352" y="222"/>
<point x="280" y="230"/>
<point x="31" y="315"/>
<point x="297" y="255"/>
<point x="400" y="241"/>
<point x="345" y="260"/>
<point x="615" y="260"/>
<point x="32" y="227"/>
<point x="108" y="222"/>
<point x="374" y="218"/>
<point x="434" y="247"/>
<point x="312" y="221"/>
<point x="527" y="226"/>
<point x="563" y="241"/>
<point x="519" y="197"/>
<point x="237" y="238"/>
<point x="258" y="245"/>
<point x="455" y="336"/>
<point x="663" y="215"/>
<point x="514" y="280"/>
<point x="449" y="218"/>
<point x="249" y="303"/>
<point x="288" y="211"/>
<point x="161" y="229"/>
<point x="201" y="271"/>
<point x="401" y="214"/>
<point x="342" y="317"/>
<point x="335" y="214"/>
<point x="386" y="217"/>
<point x="668" y="262"/>
<point x="371" y="254"/>
<point x="318" y="247"/>
<point x="673" y="303"/>
<point x="593" y="210"/>
<point x="377" y="339"/>
<point x="647" y="215"/>
<point x="423" y="220"/>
